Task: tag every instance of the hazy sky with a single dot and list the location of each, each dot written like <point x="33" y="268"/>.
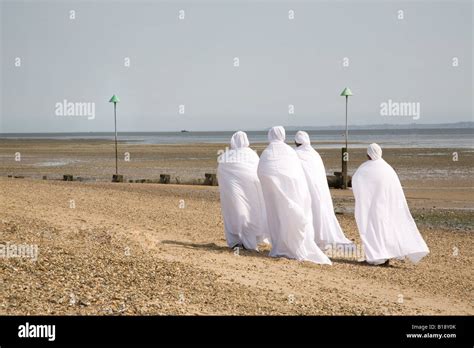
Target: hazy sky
<point x="190" y="62"/>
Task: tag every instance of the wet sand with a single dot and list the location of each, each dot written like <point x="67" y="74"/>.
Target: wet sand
<point x="95" y="160"/>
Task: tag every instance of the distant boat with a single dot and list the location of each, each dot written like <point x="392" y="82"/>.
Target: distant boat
<point x="184" y="131"/>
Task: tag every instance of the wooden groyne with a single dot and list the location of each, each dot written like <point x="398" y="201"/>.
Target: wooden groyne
<point x="209" y="179"/>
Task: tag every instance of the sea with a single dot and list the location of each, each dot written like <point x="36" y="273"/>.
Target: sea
<point x="389" y="138"/>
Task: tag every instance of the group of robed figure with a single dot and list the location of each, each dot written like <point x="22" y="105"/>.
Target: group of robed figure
<point x="282" y="198"/>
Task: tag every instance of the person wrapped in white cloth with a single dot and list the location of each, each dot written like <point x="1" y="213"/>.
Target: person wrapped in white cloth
<point x="385" y="224"/>
<point x="287" y="201"/>
<point x="327" y="232"/>
<point x="242" y="205"/>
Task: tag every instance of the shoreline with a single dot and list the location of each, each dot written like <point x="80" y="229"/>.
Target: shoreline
<point x="419" y="167"/>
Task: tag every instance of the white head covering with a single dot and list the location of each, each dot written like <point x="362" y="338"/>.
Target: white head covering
<point x="276" y="134"/>
<point x="239" y="140"/>
<point x="302" y="138"/>
<point x="374" y="151"/>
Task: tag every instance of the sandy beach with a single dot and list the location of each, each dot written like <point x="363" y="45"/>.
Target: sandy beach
<point x="108" y="248"/>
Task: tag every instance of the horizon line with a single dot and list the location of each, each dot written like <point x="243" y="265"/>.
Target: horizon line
<point x="334" y="127"/>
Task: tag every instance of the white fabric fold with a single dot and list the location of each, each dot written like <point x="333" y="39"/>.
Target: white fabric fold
<point x="242" y="204"/>
<point x="327" y="231"/>
<point x="287" y="201"/>
<point x="383" y="218"/>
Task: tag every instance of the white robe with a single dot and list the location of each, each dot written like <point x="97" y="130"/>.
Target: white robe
<point x="287" y="201"/>
<point x="385" y="224"/>
<point x="242" y="205"/>
<point x="327" y="231"/>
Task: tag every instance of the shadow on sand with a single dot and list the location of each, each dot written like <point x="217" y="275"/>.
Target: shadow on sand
<point x="216" y="248"/>
<point x="361" y="263"/>
<point x="212" y="247"/>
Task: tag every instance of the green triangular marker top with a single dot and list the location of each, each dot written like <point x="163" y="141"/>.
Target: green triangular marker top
<point x="346" y="92"/>
<point x="114" y="99"/>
